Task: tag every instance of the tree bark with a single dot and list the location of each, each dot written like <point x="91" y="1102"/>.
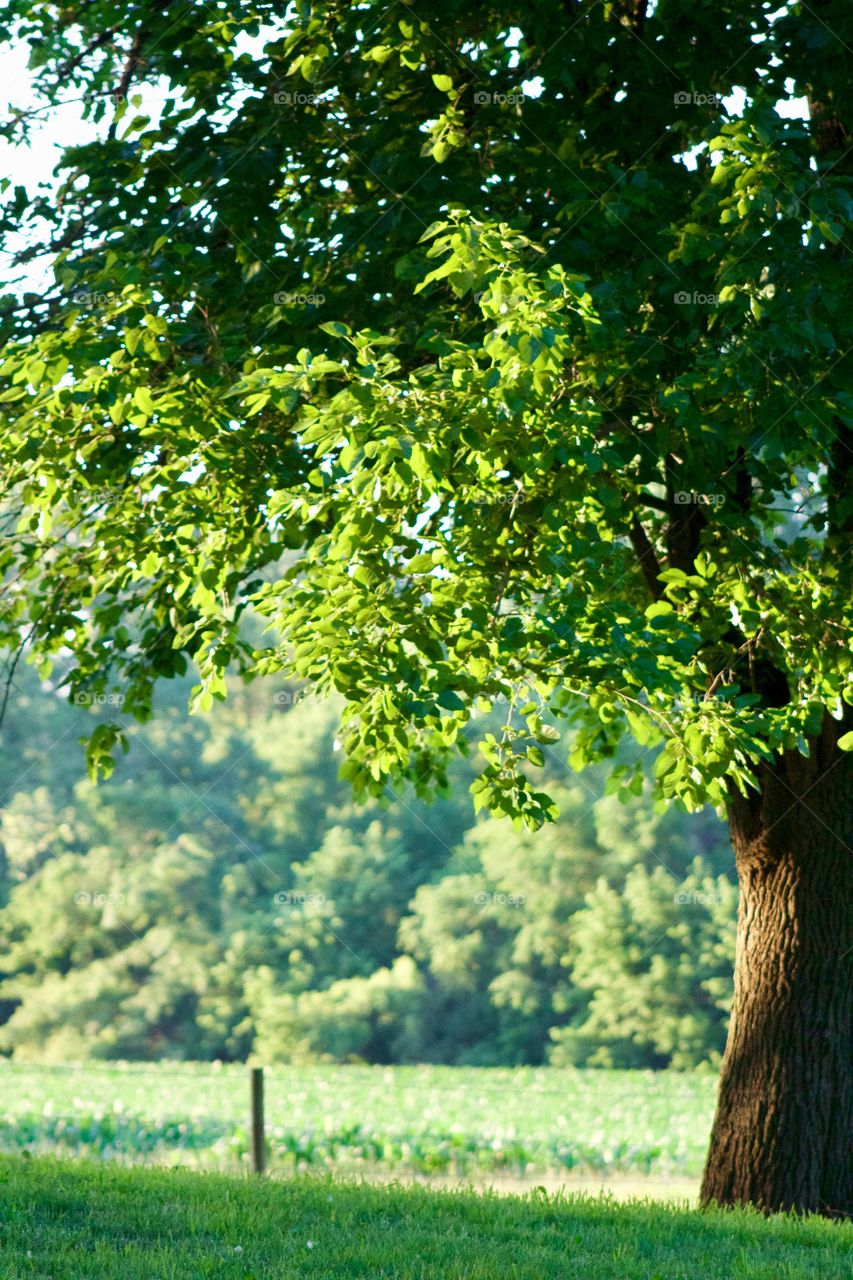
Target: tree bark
<point x="782" y="1134"/>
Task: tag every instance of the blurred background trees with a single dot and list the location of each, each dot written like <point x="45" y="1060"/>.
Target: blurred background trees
<point x="222" y="894"/>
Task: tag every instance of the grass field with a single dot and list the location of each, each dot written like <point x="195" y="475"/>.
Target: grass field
<point x="426" y="1120"/>
<point x="65" y="1220"/>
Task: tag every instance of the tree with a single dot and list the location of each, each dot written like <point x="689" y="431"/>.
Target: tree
<point x="655" y="956"/>
<point x="353" y="1020"/>
<point x="132" y="918"/>
<point x="553" y="469"/>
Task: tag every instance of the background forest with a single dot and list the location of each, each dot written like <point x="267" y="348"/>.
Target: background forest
<point x="221" y="895"/>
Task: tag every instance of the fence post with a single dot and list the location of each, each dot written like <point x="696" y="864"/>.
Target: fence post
<point x="256" y="1093"/>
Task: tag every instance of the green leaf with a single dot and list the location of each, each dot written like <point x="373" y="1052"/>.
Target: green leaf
<point x="379" y="53"/>
<point x="143" y="399"/>
<point x="451" y="700"/>
<point x="421" y="563"/>
<point x="420" y="463"/>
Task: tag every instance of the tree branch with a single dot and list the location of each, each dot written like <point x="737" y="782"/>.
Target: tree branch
<point x="654" y="503"/>
<point x="646" y="557"/>
<point x="10" y="675"/>
<point x="120" y="92"/>
<point x="73" y="63"/>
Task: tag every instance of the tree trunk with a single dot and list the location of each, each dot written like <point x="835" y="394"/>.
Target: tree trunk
<point x="782" y="1133"/>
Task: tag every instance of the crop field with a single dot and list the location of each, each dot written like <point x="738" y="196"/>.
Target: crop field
<point x="465" y="1122"/>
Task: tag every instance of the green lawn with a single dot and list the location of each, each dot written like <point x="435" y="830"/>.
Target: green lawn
<point x="63" y="1220"/>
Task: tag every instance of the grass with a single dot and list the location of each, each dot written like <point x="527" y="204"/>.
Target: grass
<point x="434" y="1120"/>
<point x="67" y="1220"/>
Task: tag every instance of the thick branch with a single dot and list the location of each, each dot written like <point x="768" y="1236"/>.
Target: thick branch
<point x="646" y="557"/>
<point x="654" y="503"/>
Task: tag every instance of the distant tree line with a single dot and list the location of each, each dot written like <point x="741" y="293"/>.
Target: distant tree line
<point x="222" y="894"/>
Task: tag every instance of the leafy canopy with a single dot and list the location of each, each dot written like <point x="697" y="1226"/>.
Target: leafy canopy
<point x="483" y="351"/>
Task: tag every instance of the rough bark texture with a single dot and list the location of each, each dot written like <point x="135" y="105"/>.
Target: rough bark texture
<point x="783" y="1133"/>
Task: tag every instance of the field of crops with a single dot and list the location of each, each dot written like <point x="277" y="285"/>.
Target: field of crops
<point x="434" y="1120"/>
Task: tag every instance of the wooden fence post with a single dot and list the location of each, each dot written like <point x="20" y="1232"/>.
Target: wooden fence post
<point x="256" y="1092"/>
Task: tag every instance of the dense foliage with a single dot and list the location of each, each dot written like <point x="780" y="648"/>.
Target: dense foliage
<point x="541" y="455"/>
<point x="222" y="894"/>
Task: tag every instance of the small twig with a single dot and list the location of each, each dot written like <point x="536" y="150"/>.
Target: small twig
<point x="73" y="63"/>
<point x="7" y="688"/>
<point x="723" y="676"/>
